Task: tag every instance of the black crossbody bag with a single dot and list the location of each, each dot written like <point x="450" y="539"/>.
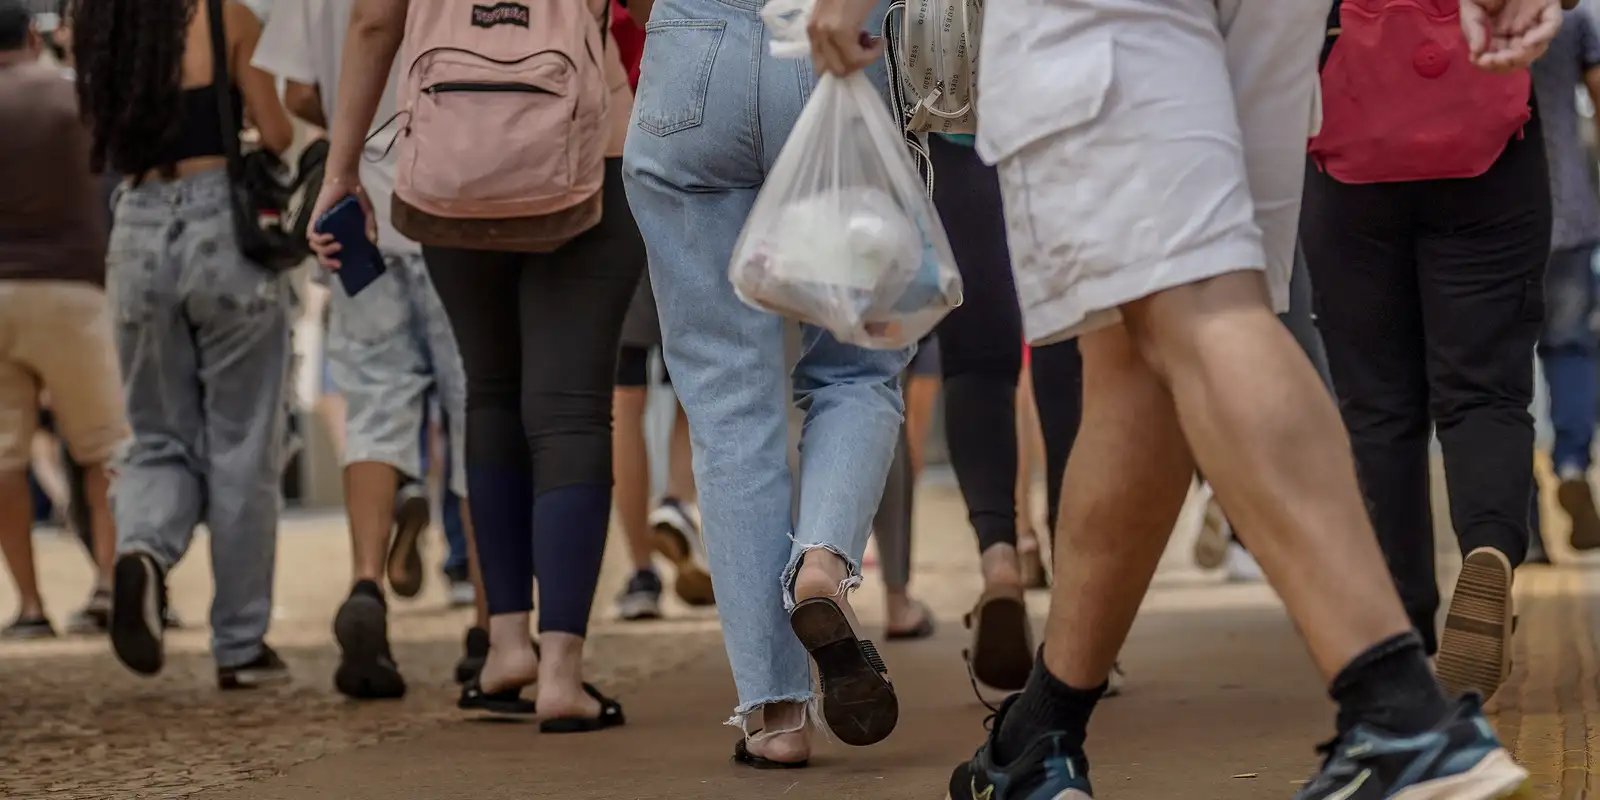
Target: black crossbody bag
<point x="259" y="196"/>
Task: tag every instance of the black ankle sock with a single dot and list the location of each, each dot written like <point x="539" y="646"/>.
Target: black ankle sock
<point x="368" y="588"/>
<point x="1046" y="706"/>
<point x="1391" y="687"/>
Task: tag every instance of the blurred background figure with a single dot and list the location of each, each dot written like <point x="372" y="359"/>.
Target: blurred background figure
<point x="54" y="331"/>
<point x="201" y="331"/>
<point x="1568" y="345"/>
<point x="390" y="352"/>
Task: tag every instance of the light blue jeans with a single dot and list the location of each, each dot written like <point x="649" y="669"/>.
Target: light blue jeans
<point x="203" y="340"/>
<point x="389" y="348"/>
<point x="712" y="112"/>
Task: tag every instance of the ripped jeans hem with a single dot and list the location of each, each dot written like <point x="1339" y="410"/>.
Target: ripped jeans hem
<point x="741" y="715"/>
<point x="792" y="571"/>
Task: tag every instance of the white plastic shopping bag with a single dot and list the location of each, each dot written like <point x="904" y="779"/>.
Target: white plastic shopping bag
<point x="843" y="235"/>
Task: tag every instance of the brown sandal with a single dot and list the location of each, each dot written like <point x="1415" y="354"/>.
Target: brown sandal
<point x="858" y="702"/>
<point x="1001" y="655"/>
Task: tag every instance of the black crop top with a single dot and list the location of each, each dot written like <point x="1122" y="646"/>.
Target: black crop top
<point x="199" y="134"/>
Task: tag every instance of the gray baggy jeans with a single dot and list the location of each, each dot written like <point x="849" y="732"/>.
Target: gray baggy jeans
<point x="203" y="339"/>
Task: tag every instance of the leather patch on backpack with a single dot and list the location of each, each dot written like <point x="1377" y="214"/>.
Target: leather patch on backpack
<point x="500" y="14"/>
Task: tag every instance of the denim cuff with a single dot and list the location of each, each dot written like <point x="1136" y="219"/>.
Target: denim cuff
<point x="852" y="567"/>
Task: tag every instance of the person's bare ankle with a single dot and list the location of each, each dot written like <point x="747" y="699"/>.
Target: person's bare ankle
<point x="511" y="663"/>
<point x="1002" y="567"/>
<point x="784" y="734"/>
<point x="821" y="574"/>
<point x="561" y="692"/>
<point x="901" y="612"/>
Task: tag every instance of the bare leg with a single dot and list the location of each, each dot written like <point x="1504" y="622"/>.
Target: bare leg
<point x="511" y="664"/>
<point x="1030" y="453"/>
<point x="331" y="408"/>
<point x="96" y="487"/>
<point x="1270" y="441"/>
<point x="922" y="391"/>
<point x="1125" y="484"/>
<point x="680" y="461"/>
<point x="369" y="488"/>
<point x="16" y="540"/>
<point x="50" y="472"/>
<point x="630" y="468"/>
<point x="561" y="691"/>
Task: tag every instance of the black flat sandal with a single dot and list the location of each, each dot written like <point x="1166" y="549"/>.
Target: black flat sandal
<point x="508" y="702"/>
<point x="858" y="701"/>
<point x="611" y="716"/>
<point x="921" y="630"/>
<point x="743" y="757"/>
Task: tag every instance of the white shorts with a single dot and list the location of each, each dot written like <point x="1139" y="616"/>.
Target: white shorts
<point x="1146" y="145"/>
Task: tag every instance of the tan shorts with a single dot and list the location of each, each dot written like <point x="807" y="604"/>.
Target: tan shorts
<point x="55" y="337"/>
<point x="1146" y="145"/>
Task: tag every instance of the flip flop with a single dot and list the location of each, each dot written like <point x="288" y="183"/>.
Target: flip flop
<point x="921" y="630"/>
<point x="508" y="702"/>
<point x="1001" y="656"/>
<point x="858" y="701"/>
<point x="743" y="757"/>
<point x="610" y="717"/>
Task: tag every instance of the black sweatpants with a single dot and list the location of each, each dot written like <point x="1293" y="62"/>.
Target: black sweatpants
<point x="980" y="343"/>
<point x="1430" y="297"/>
<point x="538" y="335"/>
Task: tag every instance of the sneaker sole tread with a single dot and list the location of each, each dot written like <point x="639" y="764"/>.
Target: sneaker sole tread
<point x="1474" y="651"/>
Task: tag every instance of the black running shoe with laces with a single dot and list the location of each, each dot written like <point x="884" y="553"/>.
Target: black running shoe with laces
<point x="641" y="598"/>
<point x="260" y="672"/>
<point x="367" y="670"/>
<point x="1049" y="769"/>
<point x="1459" y="759"/>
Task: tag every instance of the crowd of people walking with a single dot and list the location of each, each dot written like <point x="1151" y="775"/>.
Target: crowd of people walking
<point x="546" y="199"/>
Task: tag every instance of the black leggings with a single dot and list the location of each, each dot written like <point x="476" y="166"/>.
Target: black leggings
<point x="538" y="335"/>
<point x="1058" y="396"/>
<point x="980" y="343"/>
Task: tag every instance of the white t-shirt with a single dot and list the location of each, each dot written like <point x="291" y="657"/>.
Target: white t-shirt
<point x="304" y="42"/>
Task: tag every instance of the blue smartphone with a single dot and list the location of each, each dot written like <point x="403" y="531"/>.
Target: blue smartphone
<point x="360" y="263"/>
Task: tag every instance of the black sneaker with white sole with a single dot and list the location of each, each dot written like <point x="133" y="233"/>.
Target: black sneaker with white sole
<point x="262" y="671"/>
<point x="641" y="598"/>
<point x="138" y="612"/>
<point x="367" y="670"/>
<point x="28" y="628"/>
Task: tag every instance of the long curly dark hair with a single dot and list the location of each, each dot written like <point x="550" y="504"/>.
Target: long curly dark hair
<point x="130" y="77"/>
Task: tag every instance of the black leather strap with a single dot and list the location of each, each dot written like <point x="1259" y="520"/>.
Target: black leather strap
<point x="222" y="85"/>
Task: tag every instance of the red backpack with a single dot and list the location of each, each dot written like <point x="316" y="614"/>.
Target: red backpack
<point x="629" y="36"/>
<point x="1402" y="101"/>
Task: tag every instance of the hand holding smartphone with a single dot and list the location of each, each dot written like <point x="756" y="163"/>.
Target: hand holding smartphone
<point x="360" y="263"/>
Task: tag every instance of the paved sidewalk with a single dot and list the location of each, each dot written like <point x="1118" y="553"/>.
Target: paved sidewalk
<point x="1221" y="700"/>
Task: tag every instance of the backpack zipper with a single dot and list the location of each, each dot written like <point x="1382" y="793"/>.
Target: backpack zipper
<point x="469" y="86"/>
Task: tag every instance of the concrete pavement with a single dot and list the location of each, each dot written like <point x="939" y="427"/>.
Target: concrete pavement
<point x="1221" y="701"/>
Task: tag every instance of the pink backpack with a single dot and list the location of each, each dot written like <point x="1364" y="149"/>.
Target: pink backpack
<point x="504" y="144"/>
<point x="1401" y="100"/>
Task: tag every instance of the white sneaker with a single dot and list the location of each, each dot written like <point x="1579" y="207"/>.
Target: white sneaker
<point x="462" y="594"/>
<point x="1211" y="546"/>
<point x="1241" y="566"/>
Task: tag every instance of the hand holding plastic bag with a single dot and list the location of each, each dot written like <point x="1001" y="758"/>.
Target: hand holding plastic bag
<point x="843" y="235"/>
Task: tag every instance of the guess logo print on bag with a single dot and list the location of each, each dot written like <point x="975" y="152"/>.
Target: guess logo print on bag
<point x="500" y="14"/>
